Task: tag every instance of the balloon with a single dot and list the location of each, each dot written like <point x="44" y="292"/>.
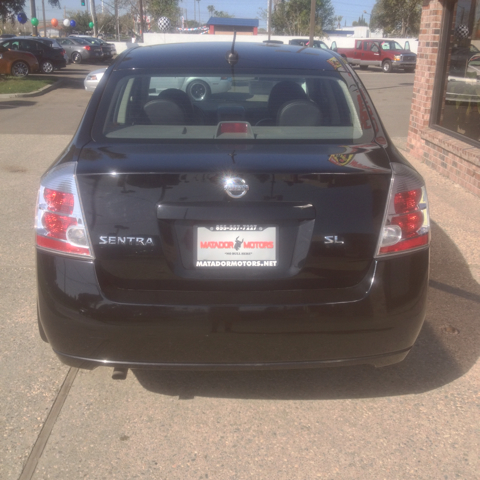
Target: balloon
<point x="66" y="22"/>
<point x="73" y="23"/>
<point x="163" y="23"/>
<point x="34" y="21"/>
<point x="90" y="24"/>
<point x="54" y="22"/>
<point x="22" y="18"/>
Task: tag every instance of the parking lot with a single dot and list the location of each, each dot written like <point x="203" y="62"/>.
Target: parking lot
<point x="417" y="419"/>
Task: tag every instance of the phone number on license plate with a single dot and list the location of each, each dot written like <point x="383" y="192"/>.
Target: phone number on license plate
<point x="236" y="228"/>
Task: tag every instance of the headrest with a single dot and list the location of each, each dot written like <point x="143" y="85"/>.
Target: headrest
<point x="181" y="99"/>
<point x="283" y="92"/>
<point x="299" y="113"/>
<point x="164" y="112"/>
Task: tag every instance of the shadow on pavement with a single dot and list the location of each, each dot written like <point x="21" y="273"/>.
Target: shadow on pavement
<point x="9" y="104"/>
<point x="448" y="346"/>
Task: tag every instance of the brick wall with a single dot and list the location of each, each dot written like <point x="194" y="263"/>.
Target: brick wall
<point x="450" y="157"/>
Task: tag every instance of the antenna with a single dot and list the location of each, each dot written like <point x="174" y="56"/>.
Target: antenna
<point x="232" y="56"/>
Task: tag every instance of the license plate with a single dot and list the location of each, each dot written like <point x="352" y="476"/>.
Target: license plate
<point x="247" y="246"/>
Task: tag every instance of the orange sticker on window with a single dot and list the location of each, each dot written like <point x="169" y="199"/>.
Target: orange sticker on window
<point x="334" y="63"/>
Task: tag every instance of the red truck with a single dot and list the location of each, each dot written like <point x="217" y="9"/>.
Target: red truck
<point x="385" y="53"/>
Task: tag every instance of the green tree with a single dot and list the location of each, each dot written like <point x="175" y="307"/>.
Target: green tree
<point x="165" y="8"/>
<point x="218" y="13"/>
<point x="361" y="22"/>
<point x="9" y="9"/>
<point x="292" y="17"/>
<point x="397" y="17"/>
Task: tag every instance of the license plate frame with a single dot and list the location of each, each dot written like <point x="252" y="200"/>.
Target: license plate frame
<point x="236" y="245"/>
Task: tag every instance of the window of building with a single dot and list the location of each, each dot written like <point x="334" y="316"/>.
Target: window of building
<point x="459" y="110"/>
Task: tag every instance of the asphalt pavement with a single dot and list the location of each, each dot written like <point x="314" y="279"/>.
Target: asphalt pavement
<point x="417" y="419"/>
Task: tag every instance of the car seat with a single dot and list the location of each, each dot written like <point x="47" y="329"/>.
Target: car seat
<point x="164" y="112"/>
<point x="180" y="98"/>
<point x="299" y="113"/>
<point x="281" y="93"/>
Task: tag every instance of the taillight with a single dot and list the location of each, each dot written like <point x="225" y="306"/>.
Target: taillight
<point x="87" y="47"/>
<point x="59" y="221"/>
<point x="406" y="224"/>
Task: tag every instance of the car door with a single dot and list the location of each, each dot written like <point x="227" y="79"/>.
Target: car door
<point x="374" y="54"/>
<point x="32" y="47"/>
<point x="358" y="53"/>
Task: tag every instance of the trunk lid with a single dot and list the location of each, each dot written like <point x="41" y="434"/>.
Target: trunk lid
<point x="308" y="219"/>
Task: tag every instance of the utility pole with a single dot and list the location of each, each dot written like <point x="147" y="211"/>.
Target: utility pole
<point x="33" y="11"/>
<point x="44" y="21"/>
<point x="141" y="21"/>
<point x="94" y="17"/>
<point x="269" y="19"/>
<point x="312" y="22"/>
<point x="117" y="20"/>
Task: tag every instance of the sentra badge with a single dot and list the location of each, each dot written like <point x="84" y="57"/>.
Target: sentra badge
<point x="112" y="240"/>
<point x="235" y="187"/>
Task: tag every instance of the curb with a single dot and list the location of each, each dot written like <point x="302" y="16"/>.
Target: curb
<point x="42" y="91"/>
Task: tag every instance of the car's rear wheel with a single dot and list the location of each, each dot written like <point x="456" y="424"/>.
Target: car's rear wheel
<point x="387" y="66"/>
<point x="198" y="90"/>
<point x="20" y="69"/>
<point x="47" y="67"/>
<point x="76" y="57"/>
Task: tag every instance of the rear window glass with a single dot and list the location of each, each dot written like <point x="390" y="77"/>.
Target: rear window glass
<point x="213" y="107"/>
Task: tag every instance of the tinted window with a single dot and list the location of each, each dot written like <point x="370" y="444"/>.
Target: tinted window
<point x="264" y="108"/>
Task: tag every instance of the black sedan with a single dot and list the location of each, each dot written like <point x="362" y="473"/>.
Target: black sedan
<point x="272" y="230"/>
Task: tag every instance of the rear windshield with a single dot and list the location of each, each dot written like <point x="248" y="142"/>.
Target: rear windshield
<point x="215" y="107"/>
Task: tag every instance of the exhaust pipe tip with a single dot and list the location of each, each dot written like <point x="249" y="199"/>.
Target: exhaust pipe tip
<point x="119" y="373"/>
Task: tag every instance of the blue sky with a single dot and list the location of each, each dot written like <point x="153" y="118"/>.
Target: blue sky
<point x="350" y="11"/>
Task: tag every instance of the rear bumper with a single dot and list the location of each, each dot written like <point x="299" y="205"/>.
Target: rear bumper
<point x="375" y="322"/>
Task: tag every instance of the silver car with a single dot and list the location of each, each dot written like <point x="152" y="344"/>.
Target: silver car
<point x="198" y="89"/>
<point x="79" y="50"/>
<point x="92" y="79"/>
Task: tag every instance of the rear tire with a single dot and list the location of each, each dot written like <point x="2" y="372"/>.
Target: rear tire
<point x="20" y="69"/>
<point x="47" y="67"/>
<point x="76" y="57"/>
<point x="198" y="90"/>
<point x="387" y="66"/>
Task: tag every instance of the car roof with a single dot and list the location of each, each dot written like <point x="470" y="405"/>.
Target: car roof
<point x="213" y="55"/>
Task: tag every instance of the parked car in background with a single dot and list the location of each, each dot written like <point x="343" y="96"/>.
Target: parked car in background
<point x="384" y="53"/>
<point x="91" y="80"/>
<point x="50" y="55"/>
<point x="304" y="42"/>
<point x="198" y="89"/>
<point x="281" y="230"/>
<point x="459" y="59"/>
<point x="79" y="50"/>
<point x="108" y="49"/>
<point x="17" y="63"/>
